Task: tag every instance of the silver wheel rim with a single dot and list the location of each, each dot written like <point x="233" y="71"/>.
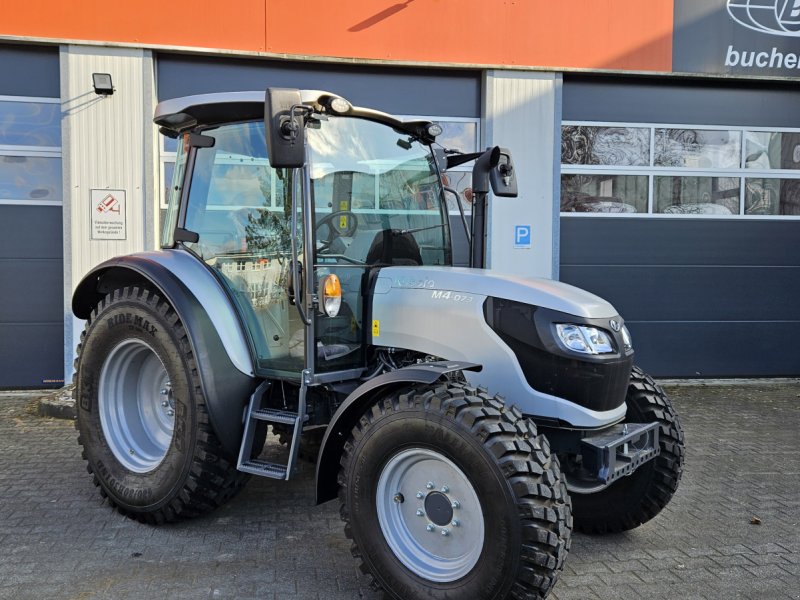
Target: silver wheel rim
<point x="137" y="410"/>
<point x="412" y="484"/>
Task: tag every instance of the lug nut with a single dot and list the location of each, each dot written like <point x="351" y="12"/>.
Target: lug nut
<point x="431" y="527"/>
<point x="455" y="523"/>
<point x="164" y="403"/>
<point x="164" y="391"/>
<point x="456" y="504"/>
<point x="170" y="413"/>
<point x="445" y="532"/>
<point x="420" y="512"/>
<point x="445" y="489"/>
<point x="430" y="485"/>
<point x="420" y="495"/>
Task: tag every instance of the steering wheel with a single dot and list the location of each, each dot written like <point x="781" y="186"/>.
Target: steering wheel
<point x="334" y="232"/>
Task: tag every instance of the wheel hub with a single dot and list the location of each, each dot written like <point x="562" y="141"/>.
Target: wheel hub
<point x="436" y="529"/>
<point x="136" y="405"/>
<point x="438" y="508"/>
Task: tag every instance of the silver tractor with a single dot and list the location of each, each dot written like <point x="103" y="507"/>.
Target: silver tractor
<point x="465" y="420"/>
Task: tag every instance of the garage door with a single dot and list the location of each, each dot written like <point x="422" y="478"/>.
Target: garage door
<point x="681" y="205"/>
<point x="31" y="254"/>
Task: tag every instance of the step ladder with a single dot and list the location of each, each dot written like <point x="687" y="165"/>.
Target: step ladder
<point x="272" y="416"/>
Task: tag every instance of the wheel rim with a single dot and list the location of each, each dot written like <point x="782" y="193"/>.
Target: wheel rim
<point x="136" y="406"/>
<point x="430" y="515"/>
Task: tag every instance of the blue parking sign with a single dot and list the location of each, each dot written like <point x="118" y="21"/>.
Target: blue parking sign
<point x="522" y="236"/>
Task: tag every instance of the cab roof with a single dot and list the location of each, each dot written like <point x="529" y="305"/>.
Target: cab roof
<point x="189" y="112"/>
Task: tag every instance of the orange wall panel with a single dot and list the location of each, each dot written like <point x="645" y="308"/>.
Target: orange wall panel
<point x="233" y="25"/>
<point x="592" y="34"/>
<point x="586" y="34"/>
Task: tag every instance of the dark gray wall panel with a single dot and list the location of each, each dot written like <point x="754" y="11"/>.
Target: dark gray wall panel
<point x="681" y="101"/>
<point x="450" y="93"/>
<point x="29" y="71"/>
<point x="35" y="286"/>
<point x="31" y="296"/>
<point x="663" y="241"/>
<point x="30" y="231"/>
<point x="31" y="355"/>
<point x="701" y="297"/>
<point x="687" y="293"/>
<point x="752" y="349"/>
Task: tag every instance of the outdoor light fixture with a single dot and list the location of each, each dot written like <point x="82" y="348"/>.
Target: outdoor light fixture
<point x="102" y="84"/>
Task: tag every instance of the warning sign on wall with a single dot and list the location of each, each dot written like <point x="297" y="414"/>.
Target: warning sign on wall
<point x="108" y="215"/>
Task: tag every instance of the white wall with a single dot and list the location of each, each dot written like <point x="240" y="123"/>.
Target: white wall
<point x="108" y="144"/>
<point x="522" y="112"/>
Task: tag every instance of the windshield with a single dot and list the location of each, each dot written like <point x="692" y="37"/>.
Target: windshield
<point x="377" y="196"/>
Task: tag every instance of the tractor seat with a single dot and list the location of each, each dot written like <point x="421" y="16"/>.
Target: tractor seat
<point x="391" y="247"/>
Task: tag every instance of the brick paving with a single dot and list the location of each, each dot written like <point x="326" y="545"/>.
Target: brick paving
<point x="58" y="539"/>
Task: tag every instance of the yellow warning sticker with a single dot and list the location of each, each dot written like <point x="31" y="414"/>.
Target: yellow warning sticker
<point x="342" y="222"/>
<point x="343" y="205"/>
<point x="376" y="328"/>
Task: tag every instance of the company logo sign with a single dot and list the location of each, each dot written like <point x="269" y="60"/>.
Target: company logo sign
<point x="773" y="17"/>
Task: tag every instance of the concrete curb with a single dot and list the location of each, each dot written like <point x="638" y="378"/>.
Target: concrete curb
<point x="58" y="404"/>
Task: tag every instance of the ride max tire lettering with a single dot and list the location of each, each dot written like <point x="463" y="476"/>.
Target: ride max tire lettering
<point x="195" y="475"/>
<point x="639" y="497"/>
<point x="524" y="502"/>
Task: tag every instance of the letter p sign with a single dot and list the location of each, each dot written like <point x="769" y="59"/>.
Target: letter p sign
<point x="522" y="236"/>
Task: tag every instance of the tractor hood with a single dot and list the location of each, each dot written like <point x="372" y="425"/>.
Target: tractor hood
<point x="479" y="282"/>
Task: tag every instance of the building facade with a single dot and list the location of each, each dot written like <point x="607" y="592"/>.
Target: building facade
<point x="657" y="145"/>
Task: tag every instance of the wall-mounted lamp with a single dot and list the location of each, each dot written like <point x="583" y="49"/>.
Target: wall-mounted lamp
<point x="102" y="84"/>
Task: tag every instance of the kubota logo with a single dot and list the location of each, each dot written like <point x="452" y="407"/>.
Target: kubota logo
<point x="775" y="17"/>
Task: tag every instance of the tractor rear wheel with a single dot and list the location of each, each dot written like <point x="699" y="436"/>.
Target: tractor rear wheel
<point x="637" y="498"/>
<point x="448" y="493"/>
<point x="141" y="414"/>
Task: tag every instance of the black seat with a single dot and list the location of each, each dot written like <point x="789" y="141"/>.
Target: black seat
<point x="393" y="247"/>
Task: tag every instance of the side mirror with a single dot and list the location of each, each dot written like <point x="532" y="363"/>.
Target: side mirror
<point x="502" y="177"/>
<point x="284" y="125"/>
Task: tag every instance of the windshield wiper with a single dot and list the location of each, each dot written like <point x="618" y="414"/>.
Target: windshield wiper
<point x="415" y="230"/>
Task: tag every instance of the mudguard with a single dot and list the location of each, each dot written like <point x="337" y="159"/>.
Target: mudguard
<point x="212" y="326"/>
<point x="353" y="407"/>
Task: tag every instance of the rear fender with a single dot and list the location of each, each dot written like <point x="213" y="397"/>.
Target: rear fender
<point x="211" y="323"/>
<point x="356" y="403"/>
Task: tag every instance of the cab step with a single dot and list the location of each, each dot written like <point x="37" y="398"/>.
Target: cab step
<point x="255" y="413"/>
<point x="256" y="466"/>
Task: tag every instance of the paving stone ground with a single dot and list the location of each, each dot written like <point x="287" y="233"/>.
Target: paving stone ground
<point x="58" y="539"/>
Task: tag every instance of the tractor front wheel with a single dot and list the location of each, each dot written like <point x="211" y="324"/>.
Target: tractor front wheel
<point x="448" y="493"/>
<point x="637" y="498"/>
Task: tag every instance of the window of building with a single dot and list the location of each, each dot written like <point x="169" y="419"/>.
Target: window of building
<point x="666" y="169"/>
<point x="30" y="151"/>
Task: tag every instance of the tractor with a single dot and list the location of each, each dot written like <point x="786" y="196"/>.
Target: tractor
<point x="465" y="420"/>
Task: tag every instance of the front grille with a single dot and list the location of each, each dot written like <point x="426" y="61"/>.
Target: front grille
<point x="598" y="383"/>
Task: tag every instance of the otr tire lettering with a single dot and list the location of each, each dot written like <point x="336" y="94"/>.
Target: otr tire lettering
<point x="141" y="494"/>
<point x="133" y="321"/>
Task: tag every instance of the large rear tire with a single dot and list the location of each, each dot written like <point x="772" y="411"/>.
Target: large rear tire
<point x="639" y="497"/>
<point x="447" y="493"/>
<point x="141" y="415"/>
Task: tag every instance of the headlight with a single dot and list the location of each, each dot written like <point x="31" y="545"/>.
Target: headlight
<point x="626" y="339"/>
<point x="583" y="339"/>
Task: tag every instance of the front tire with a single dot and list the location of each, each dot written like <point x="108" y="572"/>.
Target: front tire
<point x="447" y="493"/>
<point x="637" y="498"/>
<point x="141" y="413"/>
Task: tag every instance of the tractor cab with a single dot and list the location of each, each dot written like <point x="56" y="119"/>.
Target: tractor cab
<point x="295" y="243"/>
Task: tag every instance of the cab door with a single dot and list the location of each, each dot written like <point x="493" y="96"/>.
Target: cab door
<point x="241" y="210"/>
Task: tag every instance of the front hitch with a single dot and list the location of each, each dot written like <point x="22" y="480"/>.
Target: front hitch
<point x="619" y="450"/>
